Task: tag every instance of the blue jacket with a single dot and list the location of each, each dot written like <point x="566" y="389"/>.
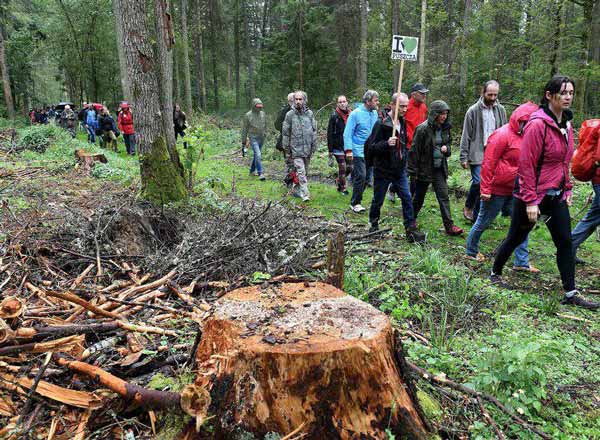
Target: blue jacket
<point x="91" y="120"/>
<point x="358" y="129"/>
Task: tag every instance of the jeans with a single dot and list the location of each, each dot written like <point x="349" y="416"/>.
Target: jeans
<point x="91" y="134"/>
<point x="359" y="173"/>
<point x="398" y="186"/>
<point x="129" y="143"/>
<point x="256" y="143"/>
<point x="473" y="198"/>
<point x="559" y="225"/>
<point x="487" y="213"/>
<point x="440" y="186"/>
<point x="588" y="224"/>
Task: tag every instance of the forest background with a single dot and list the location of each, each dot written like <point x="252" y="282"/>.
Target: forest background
<point x="229" y="51"/>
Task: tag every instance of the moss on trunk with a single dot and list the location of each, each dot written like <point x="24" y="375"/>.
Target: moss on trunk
<point x="161" y="180"/>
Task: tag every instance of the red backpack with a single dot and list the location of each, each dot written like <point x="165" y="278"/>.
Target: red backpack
<point x="587" y="154"/>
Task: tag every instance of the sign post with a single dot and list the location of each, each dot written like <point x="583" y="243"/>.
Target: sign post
<point x="403" y="48"/>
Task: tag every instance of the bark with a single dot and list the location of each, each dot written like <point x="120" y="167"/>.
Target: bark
<point x="176" y="77"/>
<point x="335" y="260"/>
<point x="8" y="97"/>
<point x="122" y="63"/>
<point x="301" y="48"/>
<point x="187" y="77"/>
<point x="304" y="357"/>
<point x="422" y="39"/>
<point x="396" y="31"/>
<point x="214" y="15"/>
<point x="236" y="51"/>
<point x="464" y="63"/>
<point x="149" y="74"/>
<point x="364" y="33"/>
<point x="556" y="38"/>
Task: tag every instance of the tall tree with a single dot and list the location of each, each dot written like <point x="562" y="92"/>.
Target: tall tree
<point x="148" y="68"/>
<point x="364" y="33"/>
<point x="214" y="19"/>
<point x="187" y="77"/>
<point x="464" y="63"/>
<point x="422" y="39"/>
<point x="8" y="97"/>
<point x="199" y="54"/>
<point x="236" y="50"/>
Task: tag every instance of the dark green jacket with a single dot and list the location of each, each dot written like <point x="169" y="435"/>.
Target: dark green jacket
<point x="420" y="159"/>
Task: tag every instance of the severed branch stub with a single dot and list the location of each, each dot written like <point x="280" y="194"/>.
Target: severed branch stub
<point x="277" y="357"/>
<point x="335" y="260"/>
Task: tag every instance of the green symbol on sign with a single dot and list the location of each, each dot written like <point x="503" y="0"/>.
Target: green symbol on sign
<point x="410" y="44"/>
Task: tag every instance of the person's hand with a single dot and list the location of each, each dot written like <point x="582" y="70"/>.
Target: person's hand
<point x="465" y="165"/>
<point x="444" y="149"/>
<point x="392" y="141"/>
<point x="570" y="200"/>
<point x="533" y="212"/>
<point x="486" y="197"/>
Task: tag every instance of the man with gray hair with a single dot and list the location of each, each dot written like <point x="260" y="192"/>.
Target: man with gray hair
<point x="299" y="142"/>
<point x="279" y="126"/>
<point x="358" y="129"/>
<point x="481" y="120"/>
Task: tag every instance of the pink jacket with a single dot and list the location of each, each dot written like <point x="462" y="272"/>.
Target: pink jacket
<point x="542" y="133"/>
<point x="501" y="156"/>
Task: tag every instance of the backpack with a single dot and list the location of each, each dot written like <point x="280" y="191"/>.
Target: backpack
<point x="584" y="165"/>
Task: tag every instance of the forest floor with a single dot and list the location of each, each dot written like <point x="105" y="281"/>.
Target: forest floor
<point x="538" y="357"/>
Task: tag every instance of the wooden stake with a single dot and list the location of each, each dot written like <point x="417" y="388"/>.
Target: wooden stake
<point x="398" y="90"/>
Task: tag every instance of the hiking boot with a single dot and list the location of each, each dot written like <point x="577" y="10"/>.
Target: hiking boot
<point x="468" y="214"/>
<point x="480" y="258"/>
<point x="374" y="227"/>
<point x="531" y="269"/>
<point x="454" y="231"/>
<point x="497" y="280"/>
<point x="413" y="235"/>
<point x="580" y="261"/>
<point x="357" y="208"/>
<point x="579" y="300"/>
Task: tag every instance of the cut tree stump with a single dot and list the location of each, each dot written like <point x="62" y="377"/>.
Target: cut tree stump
<point x="307" y="359"/>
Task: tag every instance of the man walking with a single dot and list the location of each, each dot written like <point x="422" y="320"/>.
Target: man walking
<point x="254" y="127"/>
<point x="299" y="141"/>
<point x="335" y="142"/>
<point x="358" y="129"/>
<point x="416" y="114"/>
<point x="389" y="154"/>
<point x="278" y="146"/>
<point x="481" y="120"/>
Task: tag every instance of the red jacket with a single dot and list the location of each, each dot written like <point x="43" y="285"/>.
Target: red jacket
<point x="588" y="152"/>
<point x="416" y="113"/>
<point x="501" y="156"/>
<point x="125" y="122"/>
<point x="542" y="133"/>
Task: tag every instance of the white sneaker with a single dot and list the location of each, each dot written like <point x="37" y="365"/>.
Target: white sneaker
<point x="306" y="199"/>
<point x="357" y="208"/>
<point x="391" y="196"/>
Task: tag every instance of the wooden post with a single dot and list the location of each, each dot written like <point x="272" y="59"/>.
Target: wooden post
<point x="398" y="90"/>
<point x="335" y="260"/>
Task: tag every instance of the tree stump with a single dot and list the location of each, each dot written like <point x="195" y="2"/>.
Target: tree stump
<point x="304" y="358"/>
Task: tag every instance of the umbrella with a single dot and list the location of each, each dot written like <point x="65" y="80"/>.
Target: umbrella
<point x="61" y="105"/>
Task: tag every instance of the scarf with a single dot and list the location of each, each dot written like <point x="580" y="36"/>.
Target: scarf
<point x="344" y="115"/>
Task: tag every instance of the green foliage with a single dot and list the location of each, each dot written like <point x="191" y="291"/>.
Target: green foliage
<point x="39" y="137"/>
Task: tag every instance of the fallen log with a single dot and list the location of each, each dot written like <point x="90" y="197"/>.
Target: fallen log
<point x="304" y="354"/>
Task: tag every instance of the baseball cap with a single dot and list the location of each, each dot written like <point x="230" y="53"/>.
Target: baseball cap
<point x="419" y="87"/>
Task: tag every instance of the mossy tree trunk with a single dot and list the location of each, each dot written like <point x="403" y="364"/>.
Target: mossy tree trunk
<point x="148" y="60"/>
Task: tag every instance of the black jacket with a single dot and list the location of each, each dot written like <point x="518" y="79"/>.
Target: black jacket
<point x="388" y="162"/>
<point x="335" y="132"/>
<point x="421" y="152"/>
<point x="107" y="123"/>
<point x="279" y="125"/>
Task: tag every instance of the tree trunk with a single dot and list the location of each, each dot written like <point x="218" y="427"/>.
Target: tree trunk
<point x="8" y="97"/>
<point x="122" y="63"/>
<point x="464" y="63"/>
<point x="176" y="77"/>
<point x="364" y="34"/>
<point x="582" y="86"/>
<point x="250" y="51"/>
<point x="162" y="179"/>
<point x="199" y="56"/>
<point x="213" y="50"/>
<point x="187" y="77"/>
<point x="305" y="357"/>
<point x="300" y="48"/>
<point x="396" y="31"/>
<point x="236" y="51"/>
<point x="422" y="39"/>
<point x="556" y="38"/>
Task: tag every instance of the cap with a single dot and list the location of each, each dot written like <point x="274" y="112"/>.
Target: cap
<point x="419" y="87"/>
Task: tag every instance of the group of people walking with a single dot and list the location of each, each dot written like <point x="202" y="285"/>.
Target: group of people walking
<point x="519" y="167"/>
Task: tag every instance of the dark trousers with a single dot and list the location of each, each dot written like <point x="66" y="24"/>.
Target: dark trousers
<point x="359" y="174"/>
<point x="398" y="186"/>
<point x="440" y="187"/>
<point x="129" y="143"/>
<point x="344" y="169"/>
<point x="559" y="225"/>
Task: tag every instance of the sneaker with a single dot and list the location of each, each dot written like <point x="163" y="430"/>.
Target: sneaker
<point x="305" y="198"/>
<point x="261" y="177"/>
<point x="391" y="196"/>
<point x="531" y="269"/>
<point x="480" y="258"/>
<point x="454" y="231"/>
<point x="345" y="192"/>
<point x="497" y="280"/>
<point x="468" y="214"/>
<point x="580" y="261"/>
<point x="374" y="228"/>
<point x="579" y="300"/>
<point x="357" y="208"/>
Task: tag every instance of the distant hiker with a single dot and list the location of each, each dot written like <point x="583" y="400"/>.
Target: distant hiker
<point x="429" y="160"/>
<point x="82" y="115"/>
<point x="389" y="156"/>
<point x="52" y="114"/>
<point x="481" y="119"/>
<point x="32" y="116"/>
<point x="179" y="123"/>
<point x="416" y="113"/>
<point x="91" y="124"/>
<point x="254" y="128"/>
<point x="290" y="173"/>
<point x="358" y="129"/>
<point x="335" y="142"/>
<point x="69" y="120"/>
<point x="586" y="167"/>
<point x="498" y="171"/>
<point x="300" y="141"/>
<point x="125" y="124"/>
<point x="109" y="130"/>
<point x="544" y="187"/>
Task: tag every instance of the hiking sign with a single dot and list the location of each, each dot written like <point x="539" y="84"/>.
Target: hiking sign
<point x="405" y="48"/>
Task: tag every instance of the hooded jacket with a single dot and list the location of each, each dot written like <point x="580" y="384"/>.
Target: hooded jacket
<point x="420" y="158"/>
<point x="388" y="162"/>
<point x="416" y="113"/>
<point x="255" y="122"/>
<point x="125" y="122"/>
<point x="299" y="133"/>
<point x="501" y="158"/>
<point x="587" y="155"/>
<point x="545" y="157"/>
<point x="471" y="142"/>
<point x="358" y="129"/>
